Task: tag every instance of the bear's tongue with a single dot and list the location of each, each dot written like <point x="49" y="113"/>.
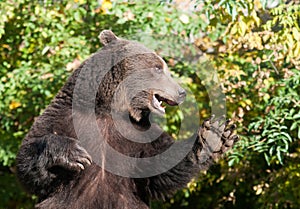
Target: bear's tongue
<point x="157" y="104"/>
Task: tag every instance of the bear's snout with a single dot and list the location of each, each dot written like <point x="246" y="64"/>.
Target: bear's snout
<point x="181" y="92"/>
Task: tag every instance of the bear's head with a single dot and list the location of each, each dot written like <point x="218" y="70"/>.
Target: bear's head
<point x="137" y="82"/>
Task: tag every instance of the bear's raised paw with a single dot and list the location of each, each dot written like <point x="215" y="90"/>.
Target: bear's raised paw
<point x="216" y="136"/>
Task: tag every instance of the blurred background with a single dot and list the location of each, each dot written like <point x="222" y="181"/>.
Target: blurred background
<point x="252" y="45"/>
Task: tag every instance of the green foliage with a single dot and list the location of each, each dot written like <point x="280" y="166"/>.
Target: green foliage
<point x="11" y="194"/>
<point x="255" y="52"/>
<point x="281" y="126"/>
<point x="32" y="46"/>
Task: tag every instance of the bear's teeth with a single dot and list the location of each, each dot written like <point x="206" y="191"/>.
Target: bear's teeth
<point x="157" y="104"/>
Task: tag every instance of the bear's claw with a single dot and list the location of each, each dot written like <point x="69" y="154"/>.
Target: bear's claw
<point x="76" y="160"/>
<point x="217" y="136"/>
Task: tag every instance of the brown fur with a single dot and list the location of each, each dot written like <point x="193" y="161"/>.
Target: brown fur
<point x="52" y="164"/>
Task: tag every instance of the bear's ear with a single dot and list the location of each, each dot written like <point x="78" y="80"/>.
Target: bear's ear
<point x="107" y="36"/>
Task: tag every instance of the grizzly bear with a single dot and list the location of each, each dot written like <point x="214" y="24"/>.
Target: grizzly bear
<point x="96" y="146"/>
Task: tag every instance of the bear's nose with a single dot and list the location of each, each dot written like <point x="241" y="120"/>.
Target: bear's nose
<point x="181" y="92"/>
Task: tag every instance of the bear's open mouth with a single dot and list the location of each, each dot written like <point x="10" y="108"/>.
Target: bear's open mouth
<point x="158" y="101"/>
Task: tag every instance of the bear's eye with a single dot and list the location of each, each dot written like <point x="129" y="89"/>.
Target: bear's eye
<point x="158" y="69"/>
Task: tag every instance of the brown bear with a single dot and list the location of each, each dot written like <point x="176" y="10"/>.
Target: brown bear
<point x="73" y="156"/>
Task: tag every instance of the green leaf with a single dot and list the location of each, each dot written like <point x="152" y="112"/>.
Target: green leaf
<point x="267" y="158"/>
<point x="231" y="162"/>
<point x="264" y="3"/>
<point x="279" y="155"/>
<point x="294" y="125"/>
<point x="297" y="116"/>
<point x="234" y="13"/>
<point x="45" y="50"/>
<point x="287" y="136"/>
<point x="222" y="2"/>
<point x="77" y="16"/>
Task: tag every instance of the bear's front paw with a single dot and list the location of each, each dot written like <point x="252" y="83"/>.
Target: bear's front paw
<point x="216" y="136"/>
<point x="74" y="158"/>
